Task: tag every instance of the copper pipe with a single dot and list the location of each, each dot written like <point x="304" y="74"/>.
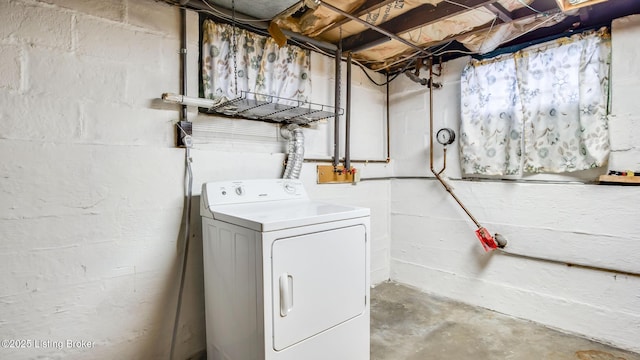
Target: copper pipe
<point x="437" y="175"/>
<point x="388" y="125"/>
<point x="571" y="264"/>
<point x="347" y="121"/>
<point x="444" y="161"/>
<point x="336" y="118"/>
<point x="364" y="161"/>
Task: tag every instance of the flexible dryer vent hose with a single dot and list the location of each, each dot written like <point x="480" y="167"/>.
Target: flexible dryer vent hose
<point x="295" y="156"/>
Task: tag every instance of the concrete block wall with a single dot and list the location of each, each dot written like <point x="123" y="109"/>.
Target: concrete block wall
<point x="624" y="123"/>
<point x="434" y="246"/>
<point x="92" y="186"/>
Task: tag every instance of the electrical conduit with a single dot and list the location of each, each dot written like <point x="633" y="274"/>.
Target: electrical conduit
<point x="189" y="179"/>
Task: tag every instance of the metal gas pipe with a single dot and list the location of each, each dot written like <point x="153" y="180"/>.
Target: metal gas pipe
<point x="488" y="241"/>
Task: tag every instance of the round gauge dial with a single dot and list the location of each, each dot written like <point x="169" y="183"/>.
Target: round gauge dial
<point x="446" y="136"/>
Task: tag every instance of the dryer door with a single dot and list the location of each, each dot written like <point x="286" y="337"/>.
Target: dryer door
<point x="318" y="282"/>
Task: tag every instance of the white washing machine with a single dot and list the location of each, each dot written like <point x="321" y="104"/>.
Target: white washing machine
<point x="286" y="278"/>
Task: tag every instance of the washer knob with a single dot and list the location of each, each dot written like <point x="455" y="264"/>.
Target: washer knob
<point x="240" y="190"/>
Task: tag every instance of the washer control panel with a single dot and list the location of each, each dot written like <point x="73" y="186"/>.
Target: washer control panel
<point x="244" y="191"/>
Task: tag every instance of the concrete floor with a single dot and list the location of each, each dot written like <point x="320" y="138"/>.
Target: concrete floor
<point x="407" y="324"/>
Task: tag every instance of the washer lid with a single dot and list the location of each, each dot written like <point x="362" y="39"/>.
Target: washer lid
<point x="278" y="215"/>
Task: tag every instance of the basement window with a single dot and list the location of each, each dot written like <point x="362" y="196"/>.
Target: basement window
<point x="543" y="109"/>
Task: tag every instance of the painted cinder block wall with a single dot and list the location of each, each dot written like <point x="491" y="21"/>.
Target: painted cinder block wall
<point x="92" y="186"/>
<point x="92" y="191"/>
<point x="434" y="246"/>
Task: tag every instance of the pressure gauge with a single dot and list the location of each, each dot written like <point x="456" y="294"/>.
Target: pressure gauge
<point x="446" y="136"/>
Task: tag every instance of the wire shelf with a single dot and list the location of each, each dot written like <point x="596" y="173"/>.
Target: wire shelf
<point x="256" y="106"/>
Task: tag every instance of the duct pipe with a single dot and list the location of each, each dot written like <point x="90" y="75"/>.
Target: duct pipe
<point x="347" y="125"/>
<point x="295" y="156"/>
<point x="336" y="117"/>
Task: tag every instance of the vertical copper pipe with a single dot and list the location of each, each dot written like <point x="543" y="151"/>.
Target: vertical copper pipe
<point x="347" y="124"/>
<point x="388" y="125"/>
<point x="336" y="118"/>
<point x="431" y="116"/>
<point x="444" y="161"/>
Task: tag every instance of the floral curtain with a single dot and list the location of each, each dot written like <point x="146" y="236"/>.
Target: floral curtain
<point x="260" y="65"/>
<point x="542" y="109"/>
<point x="491" y="129"/>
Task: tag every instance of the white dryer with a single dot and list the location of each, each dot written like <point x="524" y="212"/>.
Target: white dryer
<point x="286" y="278"/>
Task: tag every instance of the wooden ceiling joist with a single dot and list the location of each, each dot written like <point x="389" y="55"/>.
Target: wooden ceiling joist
<point x="367" y="7"/>
<point x="546" y="7"/>
<point x="421" y="16"/>
<point x="502" y="13"/>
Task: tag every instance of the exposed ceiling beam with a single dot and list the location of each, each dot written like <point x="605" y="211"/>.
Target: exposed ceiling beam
<point x="421" y="16"/>
<point x="367" y="7"/>
<point x="374" y="28"/>
<point x="502" y="13"/>
<point x="541" y="6"/>
<point x="199" y="5"/>
<point x="546" y="7"/>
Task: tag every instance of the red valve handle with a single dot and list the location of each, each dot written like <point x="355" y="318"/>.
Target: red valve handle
<point x="487" y="241"/>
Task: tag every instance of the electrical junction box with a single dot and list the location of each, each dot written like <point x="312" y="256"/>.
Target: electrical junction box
<point x="184" y="132"/>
